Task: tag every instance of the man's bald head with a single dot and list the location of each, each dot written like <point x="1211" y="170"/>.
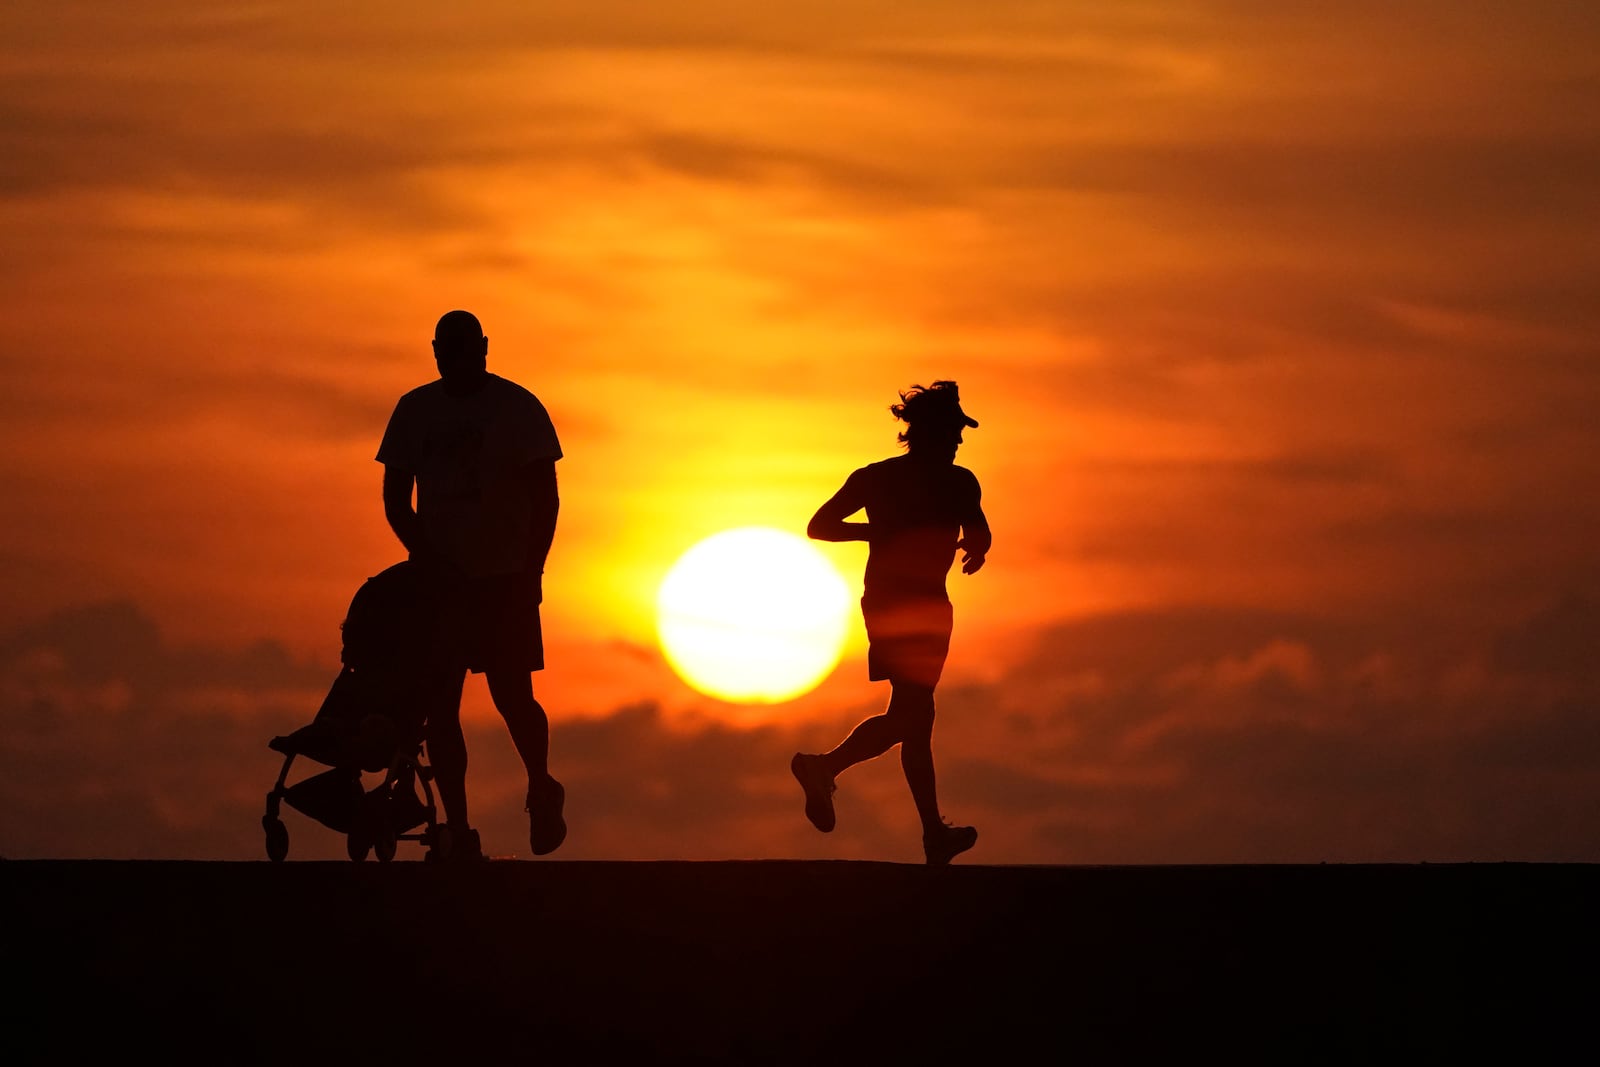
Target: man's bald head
<point x="457" y="326"/>
<point x="461" y="350"/>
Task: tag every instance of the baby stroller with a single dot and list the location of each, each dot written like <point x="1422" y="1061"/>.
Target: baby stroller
<point x="372" y="720"/>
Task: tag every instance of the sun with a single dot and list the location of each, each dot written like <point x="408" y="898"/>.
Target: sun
<point x="752" y="616"/>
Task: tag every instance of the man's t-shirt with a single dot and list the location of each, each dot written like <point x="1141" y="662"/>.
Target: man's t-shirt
<point x="916" y="511"/>
<point x="470" y="454"/>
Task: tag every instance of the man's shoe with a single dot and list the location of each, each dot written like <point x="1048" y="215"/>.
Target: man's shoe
<point x="944" y="844"/>
<point x="546" y="828"/>
<point x="448" y="844"/>
<point x="819" y="787"/>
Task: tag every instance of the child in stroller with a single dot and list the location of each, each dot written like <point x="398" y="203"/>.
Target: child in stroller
<point x="372" y="720"/>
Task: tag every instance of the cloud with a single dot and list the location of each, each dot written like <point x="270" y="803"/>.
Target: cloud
<point x="1225" y="736"/>
<point x="1557" y="642"/>
<point x="117" y="744"/>
<point x="1196" y="736"/>
<point x="116" y="641"/>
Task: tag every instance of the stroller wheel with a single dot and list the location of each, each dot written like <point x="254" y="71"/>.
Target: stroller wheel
<point x="384" y="847"/>
<point x="356" y="846"/>
<point x="277" y="838"/>
<point x="377" y="820"/>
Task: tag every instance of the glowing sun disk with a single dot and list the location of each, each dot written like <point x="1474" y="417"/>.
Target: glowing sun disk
<point x="752" y="615"/>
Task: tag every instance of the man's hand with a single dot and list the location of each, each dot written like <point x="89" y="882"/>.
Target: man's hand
<point x="529" y="583"/>
<point x="971" y="562"/>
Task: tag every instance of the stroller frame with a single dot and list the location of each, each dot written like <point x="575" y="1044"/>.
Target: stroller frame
<point x="372" y="827"/>
<point x="373" y="719"/>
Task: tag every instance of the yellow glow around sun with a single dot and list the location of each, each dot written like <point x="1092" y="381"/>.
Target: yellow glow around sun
<point x="752" y="616"/>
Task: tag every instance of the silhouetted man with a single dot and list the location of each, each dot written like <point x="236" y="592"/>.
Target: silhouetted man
<point x="920" y="508"/>
<point x="481" y="452"/>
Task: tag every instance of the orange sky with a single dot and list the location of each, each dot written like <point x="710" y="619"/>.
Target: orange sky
<point x="1280" y="328"/>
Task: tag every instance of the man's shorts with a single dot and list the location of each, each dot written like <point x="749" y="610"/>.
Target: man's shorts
<point x="907" y="639"/>
<point x="492" y="624"/>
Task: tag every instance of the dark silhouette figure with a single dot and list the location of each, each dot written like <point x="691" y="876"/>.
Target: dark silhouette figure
<point x="920" y="508"/>
<point x="373" y="719"/>
<point x="481" y="452"/>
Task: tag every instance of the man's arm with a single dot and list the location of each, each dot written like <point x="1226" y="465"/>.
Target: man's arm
<point x="975" y="535"/>
<point x="541" y="482"/>
<point x="398" y="510"/>
<point x="828" y="523"/>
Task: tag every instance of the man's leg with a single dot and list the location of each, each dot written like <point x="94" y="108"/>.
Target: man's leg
<point x="447" y="750"/>
<point x="512" y="692"/>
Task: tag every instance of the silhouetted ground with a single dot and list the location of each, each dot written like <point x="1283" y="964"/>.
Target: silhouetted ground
<point x="793" y="962"/>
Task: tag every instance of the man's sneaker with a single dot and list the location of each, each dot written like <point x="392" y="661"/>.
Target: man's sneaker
<point x="819" y="787"/>
<point x="546" y="828"/>
<point x="944" y="844"/>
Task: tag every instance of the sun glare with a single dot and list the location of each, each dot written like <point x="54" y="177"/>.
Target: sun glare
<point x="752" y="616"/>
